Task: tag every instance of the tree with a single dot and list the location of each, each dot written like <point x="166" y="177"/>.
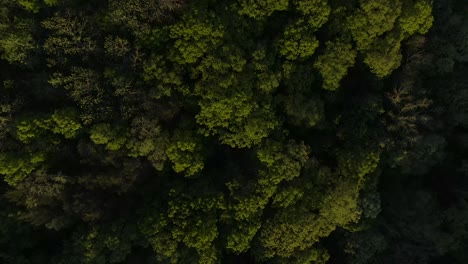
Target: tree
<point x="140" y="16"/>
<point x="70" y="34"/>
<point x="261" y="9"/>
<point x="333" y="65"/>
<point x="16" y="41"/>
<point x="194" y="36"/>
<point x="186" y="154"/>
<point x="87" y="91"/>
<point x="298" y="42"/>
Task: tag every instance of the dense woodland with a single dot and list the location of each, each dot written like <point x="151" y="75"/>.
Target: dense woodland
<point x="234" y="131"/>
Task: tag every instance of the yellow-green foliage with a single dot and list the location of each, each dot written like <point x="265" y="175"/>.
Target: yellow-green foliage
<point x="379" y="27"/>
<point x="333" y="65"/>
<point x="16" y="167"/>
<point x="190" y="222"/>
<point x="228" y="108"/>
<point x="30" y="5"/>
<point x="104" y="134"/>
<point x="147" y="140"/>
<point x="34" y="5"/>
<point x="295" y="229"/>
<point x="156" y="69"/>
<point x="223" y="111"/>
<point x="358" y="163"/>
<point x="259" y="9"/>
<point x="298" y="42"/>
<point x="372" y="19"/>
<point x="41" y="131"/>
<point x="315" y="255"/>
<point x="27" y="130"/>
<point x="16" y="41"/>
<point x="86" y="90"/>
<point x="298" y="228"/>
<point x="237" y="121"/>
<point x="244" y="212"/>
<point x="186" y="154"/>
<point x="287" y="196"/>
<point x="140" y="17"/>
<point x="416" y="17"/>
<point x="288" y="232"/>
<point x="155" y="227"/>
<point x="103" y="243"/>
<point x="384" y="56"/>
<point x="220" y="73"/>
<point x="247" y="202"/>
<point x="51" y="2"/>
<point x="281" y="162"/>
<point x="194" y="37"/>
<point x="65" y="122"/>
<point x="190" y="225"/>
<point x="263" y="159"/>
<point x="240" y="237"/>
<point x="316" y="11"/>
<point x="340" y="207"/>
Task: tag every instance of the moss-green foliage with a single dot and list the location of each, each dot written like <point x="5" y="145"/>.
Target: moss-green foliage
<point x="297" y="42"/>
<point x="101" y="244"/>
<point x="26" y="130"/>
<point x="261" y="9"/>
<point x="379" y="27"/>
<point x="63" y="122"/>
<point x="16" y="41"/>
<point x="241" y="131"/>
<point x="238" y="122"/>
<point x="334" y="63"/>
<point x="186" y="154"/>
<point x="281" y="162"/>
<point x="194" y="37"/>
<point x="185" y="227"/>
<point x="148" y="140"/>
<point x="104" y="134"/>
<point x="416" y="17"/>
<point x="268" y="78"/>
<point x="17" y="166"/>
<point x="384" y="56"/>
<point x="298" y="228"/>
<point x="316" y="12"/>
<point x="44" y="132"/>
<point x="358" y="163"/>
<point x="166" y="79"/>
<point x="228" y="108"/>
<point x="372" y="20"/>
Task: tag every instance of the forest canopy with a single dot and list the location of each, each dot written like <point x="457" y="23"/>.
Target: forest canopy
<point x="235" y="131"/>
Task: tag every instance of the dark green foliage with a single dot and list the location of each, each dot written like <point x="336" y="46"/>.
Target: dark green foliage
<point x="238" y="131"/>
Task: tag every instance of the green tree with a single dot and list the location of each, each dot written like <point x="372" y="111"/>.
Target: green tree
<point x="16" y="41"/>
<point x="261" y="9"/>
<point x="186" y="154"/>
<point x="334" y="63"/>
